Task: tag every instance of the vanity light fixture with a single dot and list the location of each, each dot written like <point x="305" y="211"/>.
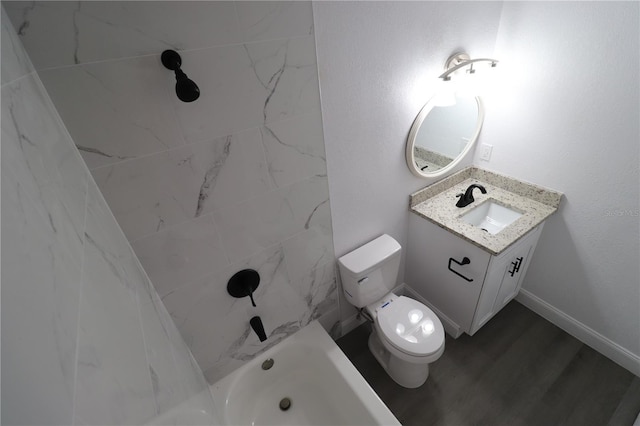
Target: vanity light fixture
<point x="460" y="78"/>
<point x="459" y="61"/>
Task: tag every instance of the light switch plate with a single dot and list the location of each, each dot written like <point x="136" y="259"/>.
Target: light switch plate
<point x="485" y="151"/>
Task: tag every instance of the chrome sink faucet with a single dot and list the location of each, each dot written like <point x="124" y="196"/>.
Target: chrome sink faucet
<point x="467" y="198"/>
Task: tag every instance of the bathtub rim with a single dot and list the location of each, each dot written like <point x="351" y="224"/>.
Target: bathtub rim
<point x="311" y="335"/>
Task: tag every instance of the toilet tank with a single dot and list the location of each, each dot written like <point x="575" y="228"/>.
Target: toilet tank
<point x="369" y="272"/>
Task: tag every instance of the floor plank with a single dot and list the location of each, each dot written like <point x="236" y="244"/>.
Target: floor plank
<point x="519" y="369"/>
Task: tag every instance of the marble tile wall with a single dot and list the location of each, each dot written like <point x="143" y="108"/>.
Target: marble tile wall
<point x="202" y="190"/>
<point x="85" y="338"/>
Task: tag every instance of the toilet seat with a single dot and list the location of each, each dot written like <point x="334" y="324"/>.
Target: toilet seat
<point x="411" y="327"/>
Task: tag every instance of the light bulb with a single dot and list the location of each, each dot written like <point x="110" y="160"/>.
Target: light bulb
<point x="446" y="94"/>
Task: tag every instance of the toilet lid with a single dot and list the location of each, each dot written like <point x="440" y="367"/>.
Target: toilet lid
<point x="411" y="327"/>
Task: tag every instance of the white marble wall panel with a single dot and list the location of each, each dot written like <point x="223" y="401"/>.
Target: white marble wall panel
<point x="167" y="388"/>
<point x="78" y="347"/>
<point x="216" y="309"/>
<point x="189" y="375"/>
<point x="189" y="250"/>
<point x="57" y="176"/>
<point x="318" y="290"/>
<point x="31" y="19"/>
<point x="157" y="371"/>
<point x="112" y="388"/>
<point x="297" y="207"/>
<point x="288" y="72"/>
<point x="81" y="32"/>
<point x="308" y="250"/>
<point x="215" y="325"/>
<point x="151" y="193"/>
<point x="175" y="377"/>
<point x="266" y="20"/>
<point x="294" y="148"/>
<point x="42" y="250"/>
<point x="231" y="340"/>
<point x="203" y="189"/>
<point x="116" y="110"/>
<point x="15" y="62"/>
<point x="246" y="85"/>
<point x="263" y="221"/>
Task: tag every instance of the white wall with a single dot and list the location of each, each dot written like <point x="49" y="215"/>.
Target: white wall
<point x="378" y="62"/>
<point x="567" y="116"/>
<point x="85" y="338"/>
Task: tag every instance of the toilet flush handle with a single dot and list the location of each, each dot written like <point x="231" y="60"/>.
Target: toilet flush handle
<point x="363" y="280"/>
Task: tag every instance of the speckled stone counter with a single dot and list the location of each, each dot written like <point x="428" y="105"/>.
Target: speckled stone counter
<point x="437" y="203"/>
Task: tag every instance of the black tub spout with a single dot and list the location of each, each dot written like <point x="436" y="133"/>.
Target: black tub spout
<point x="256" y="324"/>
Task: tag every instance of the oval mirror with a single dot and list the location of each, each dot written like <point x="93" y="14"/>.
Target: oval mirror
<point x="442" y="135"/>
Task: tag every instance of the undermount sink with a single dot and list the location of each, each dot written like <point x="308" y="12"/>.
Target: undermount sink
<point x="491" y="216"/>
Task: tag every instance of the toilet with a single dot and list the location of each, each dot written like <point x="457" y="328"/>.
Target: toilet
<point x="407" y="335"/>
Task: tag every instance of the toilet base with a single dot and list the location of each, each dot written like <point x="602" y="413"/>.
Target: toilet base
<point x="404" y="373"/>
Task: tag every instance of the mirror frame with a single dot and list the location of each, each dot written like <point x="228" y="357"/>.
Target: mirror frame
<point x="415" y="127"/>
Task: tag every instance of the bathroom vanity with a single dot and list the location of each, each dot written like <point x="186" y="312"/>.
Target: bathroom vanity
<point x="468" y="263"/>
<point x="473" y="233"/>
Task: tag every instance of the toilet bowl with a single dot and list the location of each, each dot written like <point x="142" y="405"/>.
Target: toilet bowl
<point x="407" y="336"/>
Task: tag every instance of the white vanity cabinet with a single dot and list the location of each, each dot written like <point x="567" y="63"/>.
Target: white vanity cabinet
<point x="464" y="284"/>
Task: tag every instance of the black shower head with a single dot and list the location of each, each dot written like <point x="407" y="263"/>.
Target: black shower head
<point x="186" y="89"/>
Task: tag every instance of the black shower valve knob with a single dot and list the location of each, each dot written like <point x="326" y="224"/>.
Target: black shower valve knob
<point x="244" y="283"/>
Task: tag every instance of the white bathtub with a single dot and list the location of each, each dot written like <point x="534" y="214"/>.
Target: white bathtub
<point x="309" y="368"/>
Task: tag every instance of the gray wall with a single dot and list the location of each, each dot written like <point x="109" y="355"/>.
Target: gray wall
<point x="378" y="65"/>
<point x="236" y="179"/>
<point x="559" y="119"/>
<point x="85" y="338"/>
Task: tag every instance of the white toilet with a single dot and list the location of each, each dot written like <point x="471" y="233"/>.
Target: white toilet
<point x="407" y="336"/>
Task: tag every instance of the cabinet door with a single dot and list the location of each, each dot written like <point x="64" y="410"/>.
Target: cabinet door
<point x="504" y="278"/>
<point x="514" y="274"/>
<point x="436" y="270"/>
<point x="485" y="310"/>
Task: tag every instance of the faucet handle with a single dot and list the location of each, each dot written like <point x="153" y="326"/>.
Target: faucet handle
<point x="244" y="283"/>
<point x="253" y="302"/>
<point x="461" y="200"/>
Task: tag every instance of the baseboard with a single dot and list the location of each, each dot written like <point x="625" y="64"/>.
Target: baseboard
<point x="585" y="334"/>
<point x="351" y="323"/>
<point x="330" y="321"/>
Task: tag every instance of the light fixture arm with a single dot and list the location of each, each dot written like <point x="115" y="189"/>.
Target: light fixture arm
<point x="467" y="62"/>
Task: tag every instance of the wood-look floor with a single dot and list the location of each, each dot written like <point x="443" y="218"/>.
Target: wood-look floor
<point x="519" y="369"/>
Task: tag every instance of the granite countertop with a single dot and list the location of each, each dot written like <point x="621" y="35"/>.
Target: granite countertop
<point x="437" y="203"/>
